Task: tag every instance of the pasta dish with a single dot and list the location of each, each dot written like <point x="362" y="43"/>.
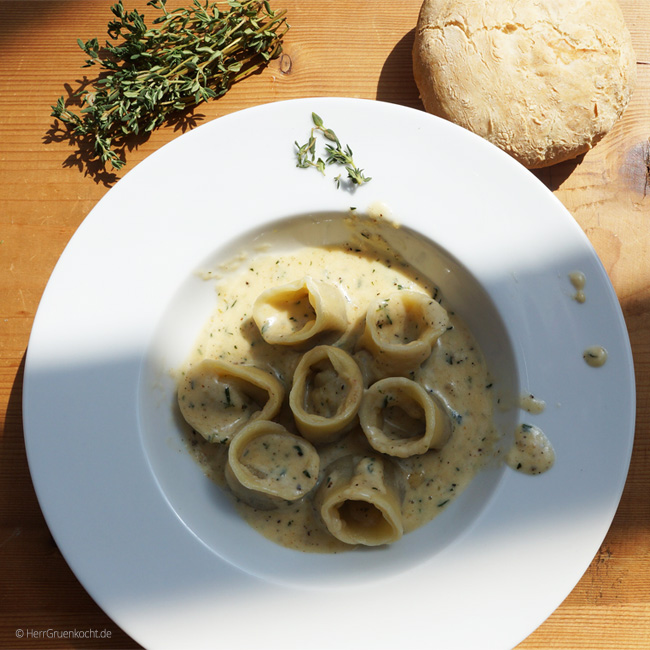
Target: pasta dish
<point x="336" y="397"/>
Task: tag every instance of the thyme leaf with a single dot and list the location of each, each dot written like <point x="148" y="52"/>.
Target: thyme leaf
<point x="335" y="154"/>
<point x="147" y="74"/>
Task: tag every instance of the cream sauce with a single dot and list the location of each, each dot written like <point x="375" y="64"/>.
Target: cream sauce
<point x="532" y="404"/>
<point x="395" y="323"/>
<point x="578" y="280"/>
<point x="532" y="452"/>
<point x="455" y="373"/>
<point x="595" y="356"/>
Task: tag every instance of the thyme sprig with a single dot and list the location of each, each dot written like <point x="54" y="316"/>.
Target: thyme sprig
<point x="189" y="55"/>
<point x="335" y="154"/>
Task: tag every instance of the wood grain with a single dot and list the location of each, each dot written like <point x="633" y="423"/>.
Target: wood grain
<point x="355" y="49"/>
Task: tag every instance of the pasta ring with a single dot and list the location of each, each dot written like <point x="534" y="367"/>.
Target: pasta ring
<point x="268" y="465"/>
<point x="217" y="398"/>
<point x="326" y="393"/>
<point x="401" y="419"/>
<point x="359" y="501"/>
<point x="402" y="328"/>
<point x="295" y="313"/>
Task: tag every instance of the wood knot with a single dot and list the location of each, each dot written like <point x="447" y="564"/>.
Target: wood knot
<point x="285" y="63"/>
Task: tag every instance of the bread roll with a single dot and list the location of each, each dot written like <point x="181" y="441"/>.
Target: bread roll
<point x="544" y="80"/>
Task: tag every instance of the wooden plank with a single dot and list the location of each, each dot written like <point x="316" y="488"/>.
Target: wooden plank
<point x="356" y="49"/>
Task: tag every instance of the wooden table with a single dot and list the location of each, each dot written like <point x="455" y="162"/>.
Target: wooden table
<point x="335" y="47"/>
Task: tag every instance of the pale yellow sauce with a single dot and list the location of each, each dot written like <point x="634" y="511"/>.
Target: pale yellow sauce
<point x="578" y="280"/>
<point x="532" y="452"/>
<point x="455" y="373"/>
<point x="532" y="404"/>
<point x="395" y="324"/>
<point x="595" y="356"/>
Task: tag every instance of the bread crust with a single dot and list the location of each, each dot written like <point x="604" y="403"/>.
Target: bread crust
<point x="544" y="80"/>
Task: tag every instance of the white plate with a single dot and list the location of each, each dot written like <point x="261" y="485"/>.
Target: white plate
<point x="155" y="543"/>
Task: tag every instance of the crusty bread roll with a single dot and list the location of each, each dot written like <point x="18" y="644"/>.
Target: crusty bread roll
<point x="543" y="80"/>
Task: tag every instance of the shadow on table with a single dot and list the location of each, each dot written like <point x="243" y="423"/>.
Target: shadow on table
<point x="555" y="175"/>
<point x="396" y="83"/>
<point x="86" y="158"/>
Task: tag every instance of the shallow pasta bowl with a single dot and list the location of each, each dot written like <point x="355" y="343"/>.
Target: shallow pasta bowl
<point x="158" y="546"/>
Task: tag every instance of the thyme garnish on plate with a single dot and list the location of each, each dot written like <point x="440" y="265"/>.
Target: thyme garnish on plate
<point x="336" y="154"/>
<point x="188" y="56"/>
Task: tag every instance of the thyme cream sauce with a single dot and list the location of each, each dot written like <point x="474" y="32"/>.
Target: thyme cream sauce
<point x="455" y="373"/>
<point x="532" y="452"/>
<point x="532" y="404"/>
<point x="595" y="356"/>
<point x="578" y="280"/>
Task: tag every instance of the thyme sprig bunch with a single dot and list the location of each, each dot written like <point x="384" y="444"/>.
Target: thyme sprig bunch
<point x="335" y="154"/>
<point x="188" y="56"/>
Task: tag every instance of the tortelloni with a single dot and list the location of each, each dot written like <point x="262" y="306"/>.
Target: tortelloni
<point x="269" y="466"/>
<point x="401" y="419"/>
<point x="359" y="501"/>
<point x="401" y="329"/>
<point x="297" y="312"/>
<point x="326" y="393"/>
<point x="217" y="398"/>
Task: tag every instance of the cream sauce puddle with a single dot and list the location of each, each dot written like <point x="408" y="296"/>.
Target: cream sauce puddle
<point x="595" y="356"/>
<point x="532" y="404"/>
<point x="532" y="452"/>
<point x="578" y="280"/>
